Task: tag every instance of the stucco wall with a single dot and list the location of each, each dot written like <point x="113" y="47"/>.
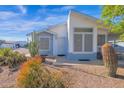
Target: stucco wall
<point x="61" y="39"/>
<point x="60" y="30"/>
<point x="79" y="21"/>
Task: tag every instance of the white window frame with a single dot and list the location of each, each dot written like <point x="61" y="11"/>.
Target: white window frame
<point x="49" y="42"/>
<point x="83" y="42"/>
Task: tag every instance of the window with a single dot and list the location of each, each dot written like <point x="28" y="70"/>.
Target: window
<point x="44" y="43"/>
<point x="88" y="43"/>
<point x="77" y="42"/>
<point x="83" y="29"/>
<point x="83" y="40"/>
<point x="101" y="40"/>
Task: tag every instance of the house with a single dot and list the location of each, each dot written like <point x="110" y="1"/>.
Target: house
<point x="7" y="44"/>
<point x="12" y="44"/>
<point x="79" y="38"/>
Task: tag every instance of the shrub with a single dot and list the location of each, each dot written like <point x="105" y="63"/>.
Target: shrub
<point x="33" y="74"/>
<point x="33" y="48"/>
<point x="5" y="52"/>
<point x="15" y="59"/>
<point x="10" y="58"/>
<point x="110" y="59"/>
<point x="3" y="60"/>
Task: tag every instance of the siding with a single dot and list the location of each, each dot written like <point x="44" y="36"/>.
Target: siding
<point x="91" y="56"/>
<point x="76" y="20"/>
<point x="45" y="34"/>
<point x="62" y="46"/>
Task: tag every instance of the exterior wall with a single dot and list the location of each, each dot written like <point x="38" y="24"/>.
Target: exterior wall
<point x="60" y="30"/>
<point x="45" y="34"/>
<point x="62" y="46"/>
<point x="76" y="20"/>
<point x="61" y="42"/>
<point x="91" y="56"/>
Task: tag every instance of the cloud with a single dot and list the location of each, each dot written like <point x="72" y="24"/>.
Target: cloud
<point x="22" y="9"/>
<point x="45" y="10"/>
<point x="65" y="8"/>
<point x="5" y="15"/>
<point x="26" y="26"/>
<point x="56" y="19"/>
<point x="14" y="25"/>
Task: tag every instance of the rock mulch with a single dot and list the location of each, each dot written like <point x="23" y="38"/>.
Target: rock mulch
<point x="80" y="76"/>
<point x="90" y="76"/>
<point x="7" y="78"/>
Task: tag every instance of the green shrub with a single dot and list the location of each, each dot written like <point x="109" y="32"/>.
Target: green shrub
<point x="3" y="60"/>
<point x="5" y="52"/>
<point x="15" y="59"/>
<point x="10" y="58"/>
<point x="33" y="48"/>
<point x="34" y="75"/>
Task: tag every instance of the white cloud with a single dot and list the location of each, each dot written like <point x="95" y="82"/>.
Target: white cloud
<point x="56" y="19"/>
<point x="26" y="26"/>
<point x="65" y="8"/>
<point x="5" y="15"/>
<point x="45" y="10"/>
<point x="22" y="9"/>
<point x="12" y="24"/>
<point x="30" y="25"/>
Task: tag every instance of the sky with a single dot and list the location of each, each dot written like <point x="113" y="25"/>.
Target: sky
<point x="17" y="21"/>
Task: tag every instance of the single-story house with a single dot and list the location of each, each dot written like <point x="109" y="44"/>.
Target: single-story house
<point x="13" y="44"/>
<point x="8" y="44"/>
<point x="79" y="38"/>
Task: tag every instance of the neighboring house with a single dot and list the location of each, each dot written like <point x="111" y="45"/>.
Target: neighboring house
<point x="21" y="44"/>
<point x="7" y="44"/>
<point x="78" y="39"/>
<point x="13" y="44"/>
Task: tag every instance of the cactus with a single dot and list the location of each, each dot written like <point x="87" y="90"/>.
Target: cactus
<point x="110" y="59"/>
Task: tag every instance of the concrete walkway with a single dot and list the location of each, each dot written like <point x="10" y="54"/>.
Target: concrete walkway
<point x="64" y="61"/>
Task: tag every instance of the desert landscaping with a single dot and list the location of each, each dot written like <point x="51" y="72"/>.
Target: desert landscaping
<point x="78" y="75"/>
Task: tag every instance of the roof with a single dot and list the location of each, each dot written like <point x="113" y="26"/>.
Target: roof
<point x="71" y="11"/>
<point x="47" y="29"/>
<point x="46" y="32"/>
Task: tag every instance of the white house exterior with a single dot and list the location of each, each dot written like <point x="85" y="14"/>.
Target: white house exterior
<point x="78" y="39"/>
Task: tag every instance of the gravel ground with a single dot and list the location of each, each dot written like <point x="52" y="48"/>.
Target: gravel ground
<point x="91" y="76"/>
<point x="7" y="78"/>
<point x="80" y="75"/>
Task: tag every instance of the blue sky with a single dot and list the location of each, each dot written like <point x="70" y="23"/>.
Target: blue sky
<point x="17" y="21"/>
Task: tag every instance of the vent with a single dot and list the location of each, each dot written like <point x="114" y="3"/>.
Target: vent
<point x="61" y="55"/>
<point x="83" y="59"/>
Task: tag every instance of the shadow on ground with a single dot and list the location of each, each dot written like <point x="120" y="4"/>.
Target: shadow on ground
<point x="120" y="77"/>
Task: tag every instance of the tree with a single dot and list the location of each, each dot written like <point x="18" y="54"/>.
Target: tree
<point x="113" y="17"/>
